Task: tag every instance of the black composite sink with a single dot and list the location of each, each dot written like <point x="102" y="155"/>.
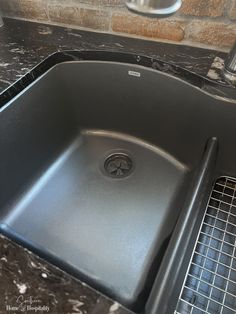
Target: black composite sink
<point x="96" y="161"/>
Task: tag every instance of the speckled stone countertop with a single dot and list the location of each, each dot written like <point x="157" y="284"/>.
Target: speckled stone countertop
<point x="31" y="285"/>
<point x="28" y="283"/>
<point x="24" y="44"/>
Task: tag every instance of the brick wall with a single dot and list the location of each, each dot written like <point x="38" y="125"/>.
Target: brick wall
<point x="199" y="22"/>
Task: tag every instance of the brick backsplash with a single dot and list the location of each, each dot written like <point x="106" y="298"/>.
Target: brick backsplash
<point x="207" y="23"/>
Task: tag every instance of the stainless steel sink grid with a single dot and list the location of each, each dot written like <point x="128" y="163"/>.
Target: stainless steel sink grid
<point x="210" y="284"/>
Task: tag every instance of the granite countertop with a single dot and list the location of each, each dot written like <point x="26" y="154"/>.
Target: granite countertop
<point x="28" y="282"/>
<point x="24" y="44"/>
<point x="31" y="285"/>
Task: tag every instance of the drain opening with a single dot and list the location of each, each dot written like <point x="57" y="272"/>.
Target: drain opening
<point x="118" y="165"/>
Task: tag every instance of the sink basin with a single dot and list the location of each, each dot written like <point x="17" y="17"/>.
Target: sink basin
<point x="96" y="161"/>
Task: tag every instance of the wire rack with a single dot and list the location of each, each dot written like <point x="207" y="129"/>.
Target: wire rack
<point x="210" y="283"/>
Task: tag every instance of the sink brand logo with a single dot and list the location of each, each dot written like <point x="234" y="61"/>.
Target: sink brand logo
<point x="133" y="73"/>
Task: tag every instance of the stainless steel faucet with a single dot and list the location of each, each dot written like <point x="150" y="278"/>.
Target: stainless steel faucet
<point x="165" y="8"/>
<point x="1" y="21"/>
<point x="230" y="65"/>
<point x="155" y="8"/>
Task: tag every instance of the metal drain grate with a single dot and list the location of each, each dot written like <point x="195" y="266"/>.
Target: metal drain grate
<point x="210" y="283"/>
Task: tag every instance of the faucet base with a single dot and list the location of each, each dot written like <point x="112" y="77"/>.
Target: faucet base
<point x="229" y="76"/>
<point x="159" y="10"/>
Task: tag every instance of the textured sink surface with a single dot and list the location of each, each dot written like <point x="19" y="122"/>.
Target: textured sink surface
<point x="57" y="197"/>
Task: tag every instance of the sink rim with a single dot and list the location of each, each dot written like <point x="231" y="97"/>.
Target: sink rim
<point x="204" y="84"/>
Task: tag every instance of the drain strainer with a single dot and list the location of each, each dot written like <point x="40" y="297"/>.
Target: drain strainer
<point x="118" y="165"/>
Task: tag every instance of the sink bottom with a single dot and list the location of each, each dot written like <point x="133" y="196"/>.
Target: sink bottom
<point x="104" y="210"/>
